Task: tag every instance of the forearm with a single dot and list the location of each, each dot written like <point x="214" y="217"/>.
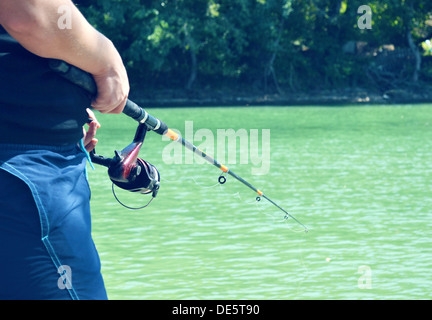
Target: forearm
<point x="34" y="23"/>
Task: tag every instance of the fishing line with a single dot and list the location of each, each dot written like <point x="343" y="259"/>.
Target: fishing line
<point x="194" y="180"/>
<point x="203" y="186"/>
<point x="275" y="217"/>
<point x="126" y="206"/>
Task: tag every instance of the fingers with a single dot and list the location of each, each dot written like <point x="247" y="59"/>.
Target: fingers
<point x="113" y="90"/>
<point x="92" y="117"/>
<point x="114" y="109"/>
<point x="91" y="145"/>
<point x="104" y="107"/>
<point x="89" y="139"/>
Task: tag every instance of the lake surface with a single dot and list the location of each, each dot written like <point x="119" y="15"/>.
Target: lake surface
<point x="359" y="177"/>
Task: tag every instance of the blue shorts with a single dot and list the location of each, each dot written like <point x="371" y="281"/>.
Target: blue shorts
<point x="46" y="247"/>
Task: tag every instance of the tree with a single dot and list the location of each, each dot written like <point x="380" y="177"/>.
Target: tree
<point x="269" y="46"/>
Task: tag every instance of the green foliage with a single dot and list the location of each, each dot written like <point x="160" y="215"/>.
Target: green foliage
<point x="259" y="44"/>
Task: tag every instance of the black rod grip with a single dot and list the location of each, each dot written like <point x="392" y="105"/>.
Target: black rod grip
<point x="134" y="111"/>
<point x="86" y="81"/>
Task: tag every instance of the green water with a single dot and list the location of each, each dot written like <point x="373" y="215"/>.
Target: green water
<point x="360" y="178"/>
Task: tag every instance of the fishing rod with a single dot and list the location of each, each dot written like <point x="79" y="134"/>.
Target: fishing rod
<point x="126" y="159"/>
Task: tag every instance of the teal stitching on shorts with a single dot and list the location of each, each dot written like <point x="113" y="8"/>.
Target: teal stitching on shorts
<point x="59" y="266"/>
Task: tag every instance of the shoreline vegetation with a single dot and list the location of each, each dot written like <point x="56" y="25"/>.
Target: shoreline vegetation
<point x="270" y="52"/>
<point x="335" y="97"/>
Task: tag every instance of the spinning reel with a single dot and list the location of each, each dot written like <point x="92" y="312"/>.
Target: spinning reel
<point x="129" y="172"/>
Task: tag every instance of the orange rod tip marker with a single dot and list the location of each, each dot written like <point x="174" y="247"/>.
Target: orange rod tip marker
<point x="172" y="135"/>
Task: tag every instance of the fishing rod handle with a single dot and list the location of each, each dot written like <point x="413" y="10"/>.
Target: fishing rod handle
<point x="85" y="80"/>
<point x="134" y="111"/>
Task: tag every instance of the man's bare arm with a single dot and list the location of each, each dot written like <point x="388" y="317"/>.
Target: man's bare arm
<point x="34" y="24"/>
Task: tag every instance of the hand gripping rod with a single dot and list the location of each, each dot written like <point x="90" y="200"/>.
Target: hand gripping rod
<point x="86" y="81"/>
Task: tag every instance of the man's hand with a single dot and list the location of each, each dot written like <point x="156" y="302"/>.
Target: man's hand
<point x="89" y="137"/>
<point x="113" y="89"/>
